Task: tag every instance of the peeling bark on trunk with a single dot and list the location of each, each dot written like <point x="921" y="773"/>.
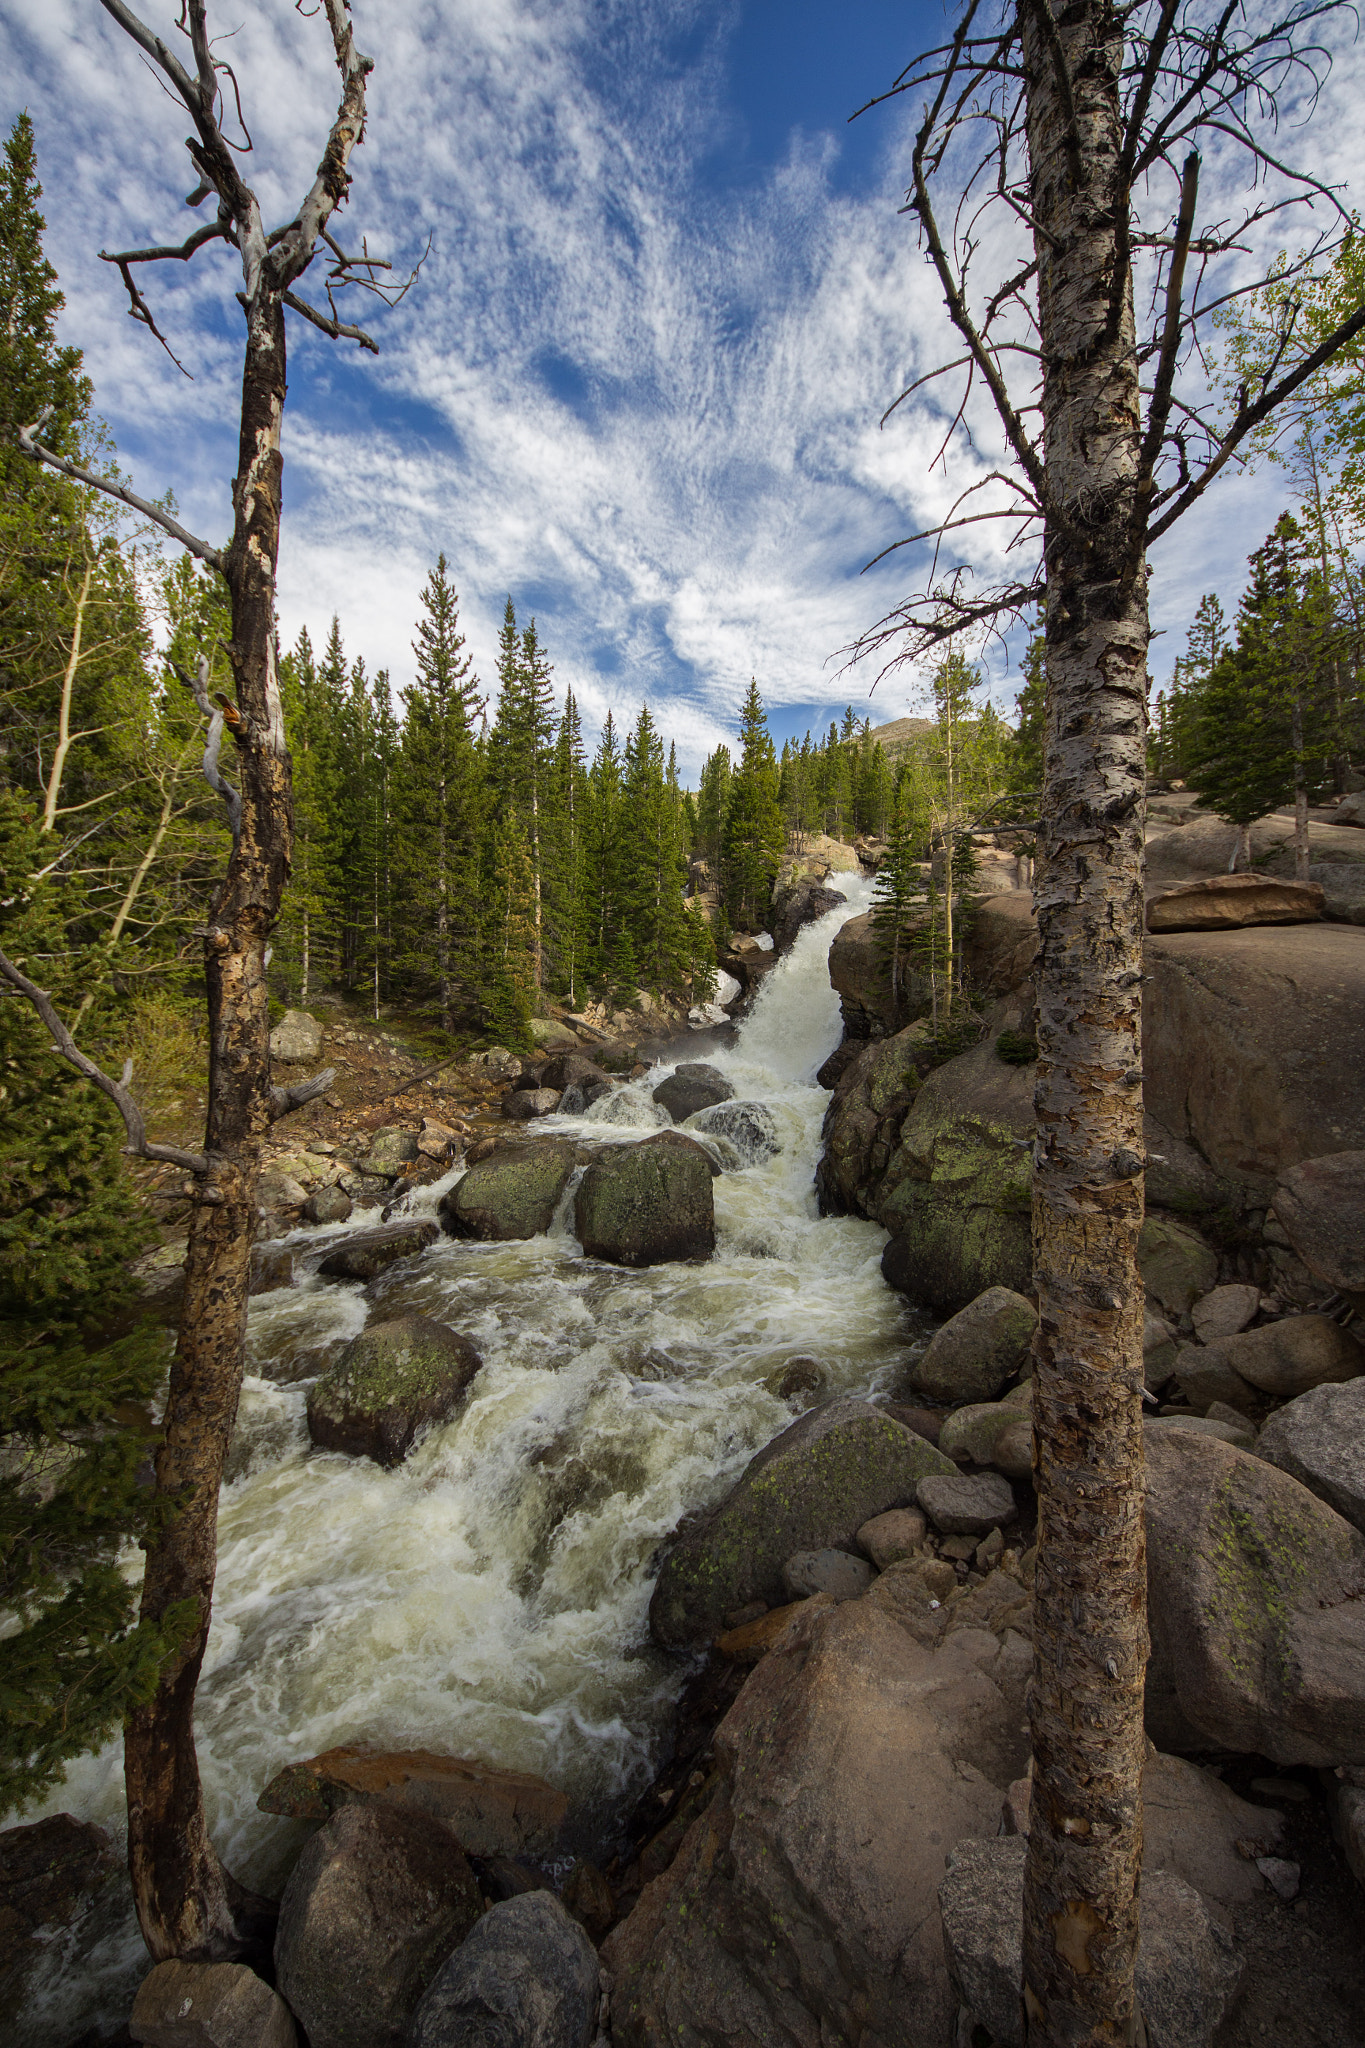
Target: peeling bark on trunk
<point x="1090" y="1647"/>
<point x="188" y="1905"/>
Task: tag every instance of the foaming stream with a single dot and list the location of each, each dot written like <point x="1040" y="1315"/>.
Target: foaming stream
<point x="489" y="1597"/>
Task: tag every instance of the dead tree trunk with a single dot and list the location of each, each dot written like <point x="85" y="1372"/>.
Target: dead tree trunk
<point x="1090" y="1636"/>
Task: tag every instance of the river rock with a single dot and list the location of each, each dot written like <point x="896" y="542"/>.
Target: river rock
<point x="835" y="1572"/>
<point x="526" y="1977"/>
<point x="1320" y="1205"/>
<point x="391" y="1381"/>
<point x="1241" y="1432"/>
<point x="328" y="1205"/>
<point x="53" y="1874"/>
<point x="513" y="1193"/>
<point x="800" y="1906"/>
<point x="1175" y="1263"/>
<point x="1320" y="1440"/>
<point x="1187" y="1968"/>
<point x="1256" y="1608"/>
<point x="1289" y="1357"/>
<point x="967" y="1506"/>
<point x="390" y="1150"/>
<point x="572" y="1069"/>
<point x="977" y="1350"/>
<point x="750" y="1127"/>
<point x="523" y="1105"/>
<point x="691" y="1087"/>
<point x="492" y="1812"/>
<point x="888" y="1538"/>
<point x="368" y="1253"/>
<point x="1225" y="903"/>
<point x="1225" y="1311"/>
<point x="296" y="1039"/>
<point x="376" y="1902"/>
<point x="956" y="1193"/>
<point x="209" y="2005"/>
<point x="811" y="1488"/>
<point x="648" y="1203"/>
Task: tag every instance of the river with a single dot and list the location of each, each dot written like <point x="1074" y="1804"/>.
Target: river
<point x="489" y="1597"/>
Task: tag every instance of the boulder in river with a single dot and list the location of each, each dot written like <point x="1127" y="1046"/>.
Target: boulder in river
<point x="648" y="1203"/>
<point x="691" y="1087"/>
<point x="513" y="1193"/>
<point x="365" y="1254"/>
<point x="572" y="1069"/>
<point x="390" y="1150"/>
<point x="492" y="1812"/>
<point x="526" y="1977"/>
<point x="750" y="1127"/>
<point x="977" y="1350"/>
<point x="812" y="1488"/>
<point x="1319" y="1439"/>
<point x="523" y="1105"/>
<point x="964" y="1505"/>
<point x="376" y="1902"/>
<point x="390" y="1382"/>
<point x="209" y="2005"/>
<point x="1256" y="1607"/>
<point x="328" y="1205"/>
<point x="806" y="902"/>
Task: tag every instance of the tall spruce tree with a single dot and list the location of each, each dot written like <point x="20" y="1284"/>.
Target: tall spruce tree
<point x="754" y="834"/>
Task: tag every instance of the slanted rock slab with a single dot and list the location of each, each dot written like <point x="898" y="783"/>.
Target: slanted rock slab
<point x="1187" y="1969"/>
<point x="811" y="1488"/>
<point x="1319" y="1439"/>
<point x="209" y="2005"/>
<point x="526" y="1977"/>
<point x="367" y="1253"/>
<point x="1321" y="1206"/>
<point x="391" y="1381"/>
<point x="511" y="1194"/>
<point x="967" y="1506"/>
<point x="492" y="1812"/>
<point x="1227" y="903"/>
<point x="691" y="1087"/>
<point x="376" y="1902"/>
<point x="978" y="1349"/>
<point x="647" y="1204"/>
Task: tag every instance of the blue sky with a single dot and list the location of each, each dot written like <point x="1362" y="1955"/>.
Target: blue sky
<point x="639" y="382"/>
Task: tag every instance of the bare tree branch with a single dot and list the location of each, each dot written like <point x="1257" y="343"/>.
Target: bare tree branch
<point x="337" y="329"/>
<point x="138" y="1144"/>
<point x="284" y="1100"/>
<point x="218" y="715"/>
<point x="111" y="489"/>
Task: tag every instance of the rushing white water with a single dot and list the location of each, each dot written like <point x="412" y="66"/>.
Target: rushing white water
<point x="489" y="1597"/>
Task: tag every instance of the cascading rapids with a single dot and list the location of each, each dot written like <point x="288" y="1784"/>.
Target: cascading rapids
<point x="489" y="1597"/>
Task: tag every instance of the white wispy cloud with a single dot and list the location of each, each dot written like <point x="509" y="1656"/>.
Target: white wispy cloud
<point x="644" y="405"/>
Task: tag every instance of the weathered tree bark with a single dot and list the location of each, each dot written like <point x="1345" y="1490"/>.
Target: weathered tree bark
<point x="1090" y="1637"/>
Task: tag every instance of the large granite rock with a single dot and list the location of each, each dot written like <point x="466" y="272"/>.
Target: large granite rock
<point x="376" y="1902"/>
<point x="648" y="1203"/>
<point x="811" y="1488"/>
<point x="209" y="2005"/>
<point x="804" y="903"/>
<point x="1284" y="1359"/>
<point x="750" y="1127"/>
<point x="525" y="1978"/>
<point x="859" y="973"/>
<point x="874" y="1086"/>
<point x="1226" y="903"/>
<point x="1320" y="1205"/>
<point x="1256" y="1607"/>
<point x="977" y="1350"/>
<point x="524" y="1105"/>
<point x="1002" y="944"/>
<point x="801" y="1907"/>
<point x="691" y="1087"/>
<point x="1202" y="848"/>
<point x="365" y="1254"/>
<point x="491" y="1812"/>
<point x="1187" y="1968"/>
<point x="296" y="1039"/>
<point x="511" y="1194"/>
<point x="1319" y="1439"/>
<point x="391" y="1381"/>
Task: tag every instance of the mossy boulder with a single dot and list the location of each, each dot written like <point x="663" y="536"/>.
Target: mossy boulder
<point x="1176" y="1265"/>
<point x="513" y="1193"/>
<point x="812" y="1488"/>
<point x="389" y="1383"/>
<point x="978" y="1349"/>
<point x="1256" y="1607"/>
<point x="647" y="1204"/>
<point x="390" y="1151"/>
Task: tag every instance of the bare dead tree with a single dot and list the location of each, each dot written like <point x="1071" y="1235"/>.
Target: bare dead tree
<point x="1056" y="186"/>
<point x="188" y="1904"/>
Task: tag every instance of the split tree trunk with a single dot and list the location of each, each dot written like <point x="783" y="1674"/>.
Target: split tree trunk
<point x="187" y="1904"/>
<point x="1090" y="1641"/>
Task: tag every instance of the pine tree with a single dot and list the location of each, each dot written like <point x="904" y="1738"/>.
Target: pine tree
<point x="566" y="881"/>
<point x="1031" y="709"/>
<point x="36" y="372"/>
<point x="611" y="960"/>
<point x="754" y="834"/>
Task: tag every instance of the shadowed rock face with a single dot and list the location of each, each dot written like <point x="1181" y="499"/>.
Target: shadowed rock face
<point x="512" y="1194"/>
<point x="1320" y="1205"/>
<point x="647" y="1204"/>
<point x="388" y="1384"/>
<point x="812" y="1488"/>
<point x="527" y="1975"/>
